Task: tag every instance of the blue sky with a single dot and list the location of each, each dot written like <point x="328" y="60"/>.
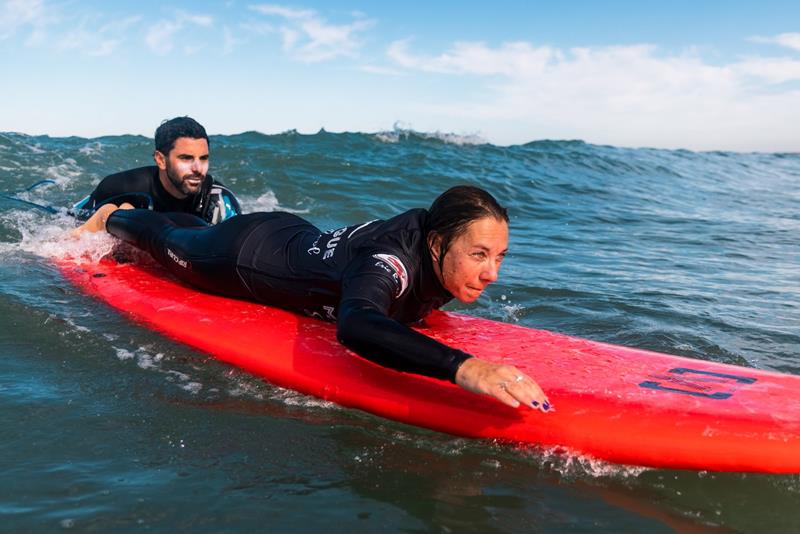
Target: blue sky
<point x="699" y="75"/>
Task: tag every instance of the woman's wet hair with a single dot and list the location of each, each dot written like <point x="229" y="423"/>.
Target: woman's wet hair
<point x="454" y="210"/>
<point x="170" y="130"/>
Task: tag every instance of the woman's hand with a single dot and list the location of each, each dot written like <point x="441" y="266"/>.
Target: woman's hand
<point x="504" y="382"/>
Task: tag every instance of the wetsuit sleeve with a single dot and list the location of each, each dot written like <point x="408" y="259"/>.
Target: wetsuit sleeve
<point x="364" y="326"/>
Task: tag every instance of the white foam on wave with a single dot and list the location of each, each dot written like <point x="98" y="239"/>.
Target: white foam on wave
<point x="184" y="381"/>
<point x="512" y="311"/>
<point x="63" y="173"/>
<point x="124" y="354"/>
<point x="92" y="149"/>
<point x="145" y="359"/>
<point x="245" y="385"/>
<point x="192" y="387"/>
<point x="17" y="140"/>
<point x="565" y="462"/>
<point x="401" y="132"/>
<point x="290" y="397"/>
<point x="141" y="356"/>
<point x="568" y="463"/>
<point x="75" y="326"/>
<point x="49" y="236"/>
<point x="267" y="201"/>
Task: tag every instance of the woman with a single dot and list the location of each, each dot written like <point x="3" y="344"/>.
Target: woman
<point x="372" y="278"/>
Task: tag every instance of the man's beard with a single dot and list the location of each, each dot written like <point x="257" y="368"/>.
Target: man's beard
<point x="180" y="184"/>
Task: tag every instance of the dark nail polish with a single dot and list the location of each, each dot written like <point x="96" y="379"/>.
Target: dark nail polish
<point x="535" y="404"/>
<point x="546" y="406"/>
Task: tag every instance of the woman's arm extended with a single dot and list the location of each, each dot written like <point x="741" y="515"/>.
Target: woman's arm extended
<point x="366" y="329"/>
<point x="363" y="325"/>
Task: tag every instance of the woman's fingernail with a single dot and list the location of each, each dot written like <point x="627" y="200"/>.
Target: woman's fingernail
<point x="535" y="404"/>
<point x="546" y="406"/>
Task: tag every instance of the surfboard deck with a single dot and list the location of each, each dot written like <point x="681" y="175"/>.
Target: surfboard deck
<point x="618" y="404"/>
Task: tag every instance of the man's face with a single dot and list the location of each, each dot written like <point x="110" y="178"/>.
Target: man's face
<point x="186" y="165"/>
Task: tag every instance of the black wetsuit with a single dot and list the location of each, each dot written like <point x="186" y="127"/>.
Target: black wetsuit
<point x="142" y="188"/>
<point x="370" y="278"/>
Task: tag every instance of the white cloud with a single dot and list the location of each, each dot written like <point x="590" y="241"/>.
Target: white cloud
<point x="769" y="70"/>
<point x="308" y="37"/>
<point x="38" y="37"/>
<point x="476" y="58"/>
<point x="54" y="26"/>
<point x="617" y="93"/>
<point x="199" y="20"/>
<point x="15" y="14"/>
<point x="259" y="28"/>
<point x="160" y="37"/>
<point x="191" y="50"/>
<point x="384" y="71"/>
<point x="285" y="12"/>
<point x="229" y="41"/>
<point x="102" y="41"/>
<point x="788" y="40"/>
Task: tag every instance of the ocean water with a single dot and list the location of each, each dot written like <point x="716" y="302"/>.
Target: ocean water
<point x="106" y="425"/>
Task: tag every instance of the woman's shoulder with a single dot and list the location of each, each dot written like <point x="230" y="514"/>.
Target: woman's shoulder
<point x="413" y="219"/>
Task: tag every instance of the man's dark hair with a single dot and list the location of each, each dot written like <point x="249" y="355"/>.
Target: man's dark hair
<point x="455" y="209"/>
<point x="172" y="129"/>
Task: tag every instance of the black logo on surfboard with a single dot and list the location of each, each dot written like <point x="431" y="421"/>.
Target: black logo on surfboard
<point x="698" y="383"/>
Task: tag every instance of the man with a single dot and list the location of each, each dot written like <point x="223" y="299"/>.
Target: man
<point x="178" y="182"/>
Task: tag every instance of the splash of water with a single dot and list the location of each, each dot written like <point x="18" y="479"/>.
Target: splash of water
<point x="49" y="237"/>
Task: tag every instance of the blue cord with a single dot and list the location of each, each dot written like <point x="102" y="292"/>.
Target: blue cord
<point x="10" y="196"/>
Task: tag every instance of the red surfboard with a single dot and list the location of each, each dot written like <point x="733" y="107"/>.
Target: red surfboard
<point x="618" y="404"/>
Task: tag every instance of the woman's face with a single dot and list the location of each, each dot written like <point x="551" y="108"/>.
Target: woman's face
<point x="474" y="258"/>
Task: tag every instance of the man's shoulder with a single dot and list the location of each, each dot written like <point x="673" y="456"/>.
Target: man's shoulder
<point x="138" y="180"/>
<point x="131" y="176"/>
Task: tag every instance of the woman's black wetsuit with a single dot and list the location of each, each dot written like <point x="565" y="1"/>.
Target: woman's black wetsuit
<point x="370" y="278"/>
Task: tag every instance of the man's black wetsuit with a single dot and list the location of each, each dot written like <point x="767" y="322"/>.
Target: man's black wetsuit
<point x="370" y="278"/>
<point x="143" y="188"/>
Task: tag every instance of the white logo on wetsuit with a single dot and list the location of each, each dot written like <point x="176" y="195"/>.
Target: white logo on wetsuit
<point x="314" y="247"/>
<point x="330" y="313"/>
<point x="176" y="259"/>
<point x="393" y="265"/>
<point x="334" y="241"/>
<point x="331" y="246"/>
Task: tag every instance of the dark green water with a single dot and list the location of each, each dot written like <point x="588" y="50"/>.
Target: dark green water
<point x="109" y="426"/>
